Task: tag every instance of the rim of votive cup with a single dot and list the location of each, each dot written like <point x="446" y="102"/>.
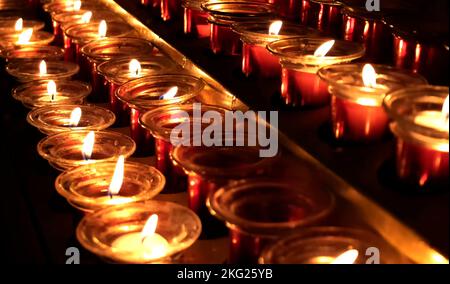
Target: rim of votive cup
<point x="48" y="118"/>
<point x="37" y="38"/>
<point x="101" y="50"/>
<point x="328" y="242"/>
<point x="73" y="16"/>
<point x="228" y="204"/>
<point x="229" y="12"/>
<point x="193" y="4"/>
<point x="300" y="51"/>
<point x="86" y="33"/>
<point x="345" y="81"/>
<point x="55" y="147"/>
<point x="61" y="7"/>
<point x="86" y="187"/>
<point x="30" y="93"/>
<point x="26" y="71"/>
<point x="257" y="32"/>
<point x="146" y="92"/>
<point x="117" y="70"/>
<point x="7" y="26"/>
<point x="29" y="53"/>
<point x="403" y="104"/>
<point x="177" y="224"/>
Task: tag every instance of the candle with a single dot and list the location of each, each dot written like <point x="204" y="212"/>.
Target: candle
<point x="170" y="9"/>
<point x="18" y="25"/>
<point x="93" y="187"/>
<point x="69" y="6"/>
<point x="223" y="14"/>
<point x="151" y="92"/>
<point x="324" y="15"/>
<point x="357" y="93"/>
<point x="139" y="232"/>
<point x="103" y="50"/>
<point x="117" y="72"/>
<point x="48" y="92"/>
<point x="26" y="37"/>
<point x="69" y="149"/>
<point x="260" y="212"/>
<point x="420" y="124"/>
<point x="27" y="71"/>
<point x="300" y="60"/>
<point x="256" y="59"/>
<point x="58" y="118"/>
<point x="195" y="19"/>
<point x="34" y="53"/>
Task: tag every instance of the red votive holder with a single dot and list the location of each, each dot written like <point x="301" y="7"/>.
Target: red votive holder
<point x="420" y="123"/>
<point x="15" y="40"/>
<point x="324" y="15"/>
<point x="102" y="50"/>
<point x="34" y="53"/>
<point x="170" y="9"/>
<point x="300" y="85"/>
<point x="357" y="113"/>
<point x="223" y="14"/>
<point x="195" y="19"/>
<point x="259" y="212"/>
<point x="160" y="122"/>
<point x="288" y="9"/>
<point x="255" y="36"/>
<point x="147" y="93"/>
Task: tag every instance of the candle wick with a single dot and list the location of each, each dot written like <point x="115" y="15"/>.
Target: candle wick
<point x="143" y="239"/>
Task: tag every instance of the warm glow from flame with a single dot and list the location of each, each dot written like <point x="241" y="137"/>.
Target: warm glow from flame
<point x="369" y="76"/>
<point x="88" y="145"/>
<point x="25" y="36"/>
<point x="86" y="17"/>
<point x="51" y="89"/>
<point x="150" y="226"/>
<point x="275" y="27"/>
<point x="170" y="94"/>
<point x="135" y="68"/>
<point x="322" y="50"/>
<point x="42" y="68"/>
<point x="347" y="257"/>
<point x="117" y="179"/>
<point x="19" y="25"/>
<point x="445" y="109"/>
<point x="102" y="28"/>
<point x="77" y="5"/>
<point x="75" y="117"/>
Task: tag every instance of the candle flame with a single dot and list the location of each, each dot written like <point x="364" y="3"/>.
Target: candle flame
<point x="77" y="5"/>
<point x="86" y="17"/>
<point x="102" y="28"/>
<point x="75" y="117"/>
<point x="19" y="25"/>
<point x="42" y="68"/>
<point x="51" y="89"/>
<point x="445" y="109"/>
<point x="322" y="50"/>
<point x="170" y="94"/>
<point x="135" y="68"/>
<point x="88" y="145"/>
<point x="117" y="179"/>
<point x="150" y="227"/>
<point x="25" y="36"/>
<point x="275" y="27"/>
<point x="369" y="76"/>
<point x="347" y="257"/>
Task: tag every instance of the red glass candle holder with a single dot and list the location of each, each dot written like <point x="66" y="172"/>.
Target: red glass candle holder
<point x="146" y="93"/>
<point x="300" y="85"/>
<point x="420" y="123"/>
<point x="11" y="40"/>
<point x="195" y="19"/>
<point x="223" y="14"/>
<point x="324" y="15"/>
<point x="117" y="72"/>
<point x="256" y="59"/>
<point x="8" y="25"/>
<point x="103" y="50"/>
<point x="34" y="53"/>
<point x="260" y="212"/>
<point x="288" y="9"/>
<point x="357" y="114"/>
<point x="170" y="9"/>
<point x="160" y="122"/>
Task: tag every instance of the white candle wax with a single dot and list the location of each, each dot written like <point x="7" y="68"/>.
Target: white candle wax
<point x="148" y="248"/>
<point x="432" y="119"/>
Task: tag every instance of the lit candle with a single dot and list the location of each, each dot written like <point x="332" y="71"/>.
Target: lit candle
<point x="347" y="257"/>
<point x="26" y="71"/>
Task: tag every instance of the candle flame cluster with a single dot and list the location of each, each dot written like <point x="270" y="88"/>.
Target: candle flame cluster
<point x="149" y="227"/>
<point x="117" y="179"/>
<point x="51" y="90"/>
<point x="43" y="68"/>
<point x="88" y="145"/>
<point x="170" y="94"/>
<point x="135" y="68"/>
<point x="19" y="25"/>
<point x="76" y="5"/>
<point x="324" y="48"/>
<point x="369" y="76"/>
<point x="348" y="257"/>
<point x="86" y="17"/>
<point x="75" y="117"/>
<point x="25" y="36"/>
<point x="102" y="29"/>
<point x="275" y="27"/>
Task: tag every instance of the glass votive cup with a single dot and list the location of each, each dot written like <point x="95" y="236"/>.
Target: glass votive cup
<point x="57" y="118"/>
<point x="7" y="26"/>
<point x="421" y="129"/>
<point x="11" y="40"/>
<point x="170" y="9"/>
<point x="259" y="212"/>
<point x="357" y="113"/>
<point x="58" y="7"/>
<point x="223" y="40"/>
<point x="146" y="93"/>
<point x="86" y="187"/>
<point x="324" y="15"/>
<point x="34" y="53"/>
<point x="117" y="72"/>
<point x="26" y="71"/>
<point x="99" y="51"/>
<point x="160" y="122"/>
<point x="300" y="85"/>
<point x="195" y="21"/>
<point x="65" y="150"/>
<point x="289" y="10"/>
<point x="322" y="245"/>
<point x="105" y="232"/>
<point x="256" y="59"/>
<point x="35" y="94"/>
